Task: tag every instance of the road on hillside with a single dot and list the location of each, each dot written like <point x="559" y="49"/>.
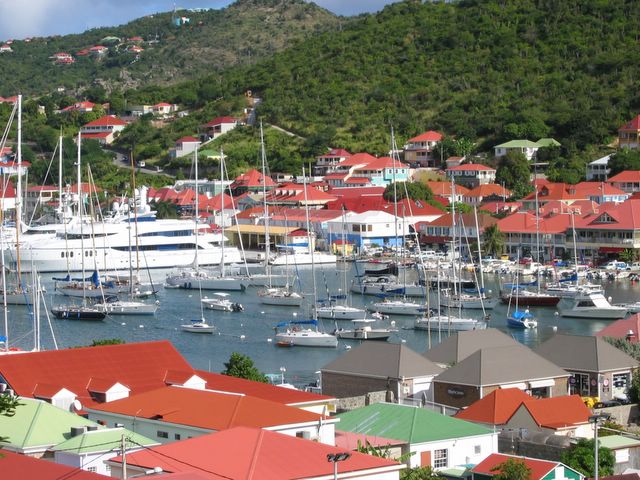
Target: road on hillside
<point x="121" y="160"/>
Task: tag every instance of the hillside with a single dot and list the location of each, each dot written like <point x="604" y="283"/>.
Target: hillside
<point x="489" y="70"/>
<point x="243" y="33"/>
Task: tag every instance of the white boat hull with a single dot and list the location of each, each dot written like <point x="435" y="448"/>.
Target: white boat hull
<point x="399" y="308"/>
<point x="300" y="258"/>
<point x="380" y="334"/>
<point x="291" y="299"/>
<point x="442" y="322"/>
<point x="596" y="313"/>
<point x="190" y="280"/>
<point x="198" y="328"/>
<point x="340" y="312"/>
<point x="307" y="338"/>
<point x="127" y="308"/>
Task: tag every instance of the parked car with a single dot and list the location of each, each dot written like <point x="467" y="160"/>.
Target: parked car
<point x="615" y="265"/>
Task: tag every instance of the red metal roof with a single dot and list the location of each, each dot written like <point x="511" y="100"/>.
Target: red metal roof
<point x="496" y="408"/>
<point x="489" y="189"/>
<point x="632" y="125"/>
<point x="539" y="468"/>
<point x="207" y="409"/>
<point x="187" y="140"/>
<point x="627" y="176"/>
<point x="106" y="121"/>
<point x="252" y="178"/>
<point x="525" y="222"/>
<point x="357" y="181"/>
<point x="335" y="152"/>
<point x="382" y="163"/>
<point x="430" y="136"/>
<point x="627" y="328"/>
<point x="22" y="466"/>
<point x="623" y="216"/>
<point x="470" y="167"/>
<point x="558" y="412"/>
<point x="139" y="366"/>
<point x="357" y="159"/>
<point x="253" y="454"/>
<point x="444" y="188"/>
<point x="96" y="135"/>
<point x="221" y="120"/>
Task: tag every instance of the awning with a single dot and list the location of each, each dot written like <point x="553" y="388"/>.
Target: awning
<point x="520" y="385"/>
<point x="542" y="383"/>
<point x="611" y="249"/>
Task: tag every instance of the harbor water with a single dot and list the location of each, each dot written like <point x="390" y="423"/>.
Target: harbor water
<point x="251" y="331"/>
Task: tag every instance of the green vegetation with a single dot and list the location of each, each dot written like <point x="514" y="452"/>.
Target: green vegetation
<point x="493" y="241"/>
<point x="412" y="190"/>
<point x="513" y="172"/>
<point x="624" y="159"/>
<point x="8" y="405"/>
<point x="107" y="341"/>
<point x="512" y="469"/>
<point x="419" y="473"/>
<point x="242" y="33"/>
<point x="241" y="366"/>
<point x="580" y="457"/>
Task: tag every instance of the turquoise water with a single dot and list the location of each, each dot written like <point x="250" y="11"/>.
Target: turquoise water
<point x="249" y="332"/>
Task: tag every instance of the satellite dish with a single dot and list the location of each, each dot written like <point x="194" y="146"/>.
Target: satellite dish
<point x="77" y="406"/>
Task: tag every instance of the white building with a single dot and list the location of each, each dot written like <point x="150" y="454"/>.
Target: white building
<point x="598" y="170"/>
<point x="368" y="228"/>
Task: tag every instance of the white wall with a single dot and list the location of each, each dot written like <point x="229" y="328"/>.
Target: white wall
<point x="461" y="450"/>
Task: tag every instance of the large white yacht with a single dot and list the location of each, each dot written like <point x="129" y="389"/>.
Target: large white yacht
<point x="108" y="246"/>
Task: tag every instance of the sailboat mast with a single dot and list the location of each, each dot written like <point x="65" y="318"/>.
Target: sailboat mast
<point x="395" y="191"/>
<point x="80" y="212"/>
<point x="197" y="205"/>
<point x="60" y="206"/>
<point x="475" y="214"/>
<point x="4" y="296"/>
<point x="222" y="212"/>
<point x="575" y="246"/>
<point x="19" y="193"/>
<point x="311" y="247"/>
<point x="267" y="239"/>
<point x="135" y="219"/>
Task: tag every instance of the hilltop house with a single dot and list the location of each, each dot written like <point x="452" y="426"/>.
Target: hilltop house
<point x="218" y="126"/>
<point x="597" y="368"/>
<point x="627" y="181"/>
<point x="327" y="162"/>
<point x="419" y="150"/>
<point x="436" y="440"/>
<point x="251" y="181"/>
<point x="471" y="175"/>
<point x="598" y="170"/>
<point x="487" y="192"/>
<point x="184" y="146"/>
<point x="104" y="129"/>
<point x="376" y="367"/>
<point x="629" y="134"/>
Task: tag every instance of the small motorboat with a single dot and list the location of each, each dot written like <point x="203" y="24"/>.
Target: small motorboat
<point x="530" y="298"/>
<point x="198" y="326"/>
<point x="521" y="319"/>
<point x="222" y="303"/>
<point x="362" y="331"/>
<point x="594" y="305"/>
<point x="71" y="312"/>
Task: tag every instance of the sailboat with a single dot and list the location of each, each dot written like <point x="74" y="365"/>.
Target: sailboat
<point x="79" y="312"/>
<point x="333" y="307"/>
<point x="196" y="277"/>
<point x="294" y="334"/>
<point x="519" y="318"/>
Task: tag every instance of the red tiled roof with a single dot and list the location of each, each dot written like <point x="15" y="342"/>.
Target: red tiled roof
<point x="430" y="136"/>
<point x="558" y="412"/>
<point x="625" y="216"/>
<point x="627" y="328"/>
<point x="312" y="195"/>
<point x="23" y="466"/>
<point x="221" y="120"/>
<point x="252" y="178"/>
<point x="207" y="409"/>
<point x="45" y="390"/>
<point x="253" y="454"/>
<point x="632" y="125"/>
<point x="525" y="222"/>
<point x="100" y="385"/>
<point x="357" y="159"/>
<point x="162" y="104"/>
<point x="187" y="140"/>
<point x="627" y="176"/>
<point x="96" y="135"/>
<point x="539" y="468"/>
<point x="335" y="152"/>
<point x="105" y="121"/>
<point x="140" y="366"/>
<point x="357" y="181"/>
<point x="353" y="192"/>
<point x="470" y="167"/>
<point x="335" y="176"/>
<point x="496" y="207"/>
<point x="489" y="189"/>
<point x="496" y="408"/>
<point x="597" y="188"/>
<point x="444" y="188"/>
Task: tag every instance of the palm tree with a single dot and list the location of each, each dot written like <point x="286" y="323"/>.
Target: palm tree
<point x="493" y="240"/>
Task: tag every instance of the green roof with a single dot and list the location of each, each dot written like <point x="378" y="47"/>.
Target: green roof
<point x="39" y="424"/>
<point x="548" y="142"/>
<point x="408" y="424"/>
<point x="102" y="440"/>
<point x="618" y="441"/>
<point x="518" y="144"/>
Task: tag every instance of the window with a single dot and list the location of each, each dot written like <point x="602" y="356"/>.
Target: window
<point x="162" y="434"/>
<point x="477" y="449"/>
<point x="92" y="469"/>
<point x="176" y="436"/>
<point x="441" y="458"/>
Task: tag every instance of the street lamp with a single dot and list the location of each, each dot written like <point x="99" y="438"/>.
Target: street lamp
<point x="335" y="458"/>
<point x="595" y="419"/>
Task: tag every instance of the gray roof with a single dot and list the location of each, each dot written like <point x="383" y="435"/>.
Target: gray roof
<point x="590" y="354"/>
<point x="462" y="344"/>
<point x="386" y="360"/>
<point x="500" y="365"/>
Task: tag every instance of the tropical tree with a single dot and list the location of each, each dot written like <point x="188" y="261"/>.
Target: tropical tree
<point x="8" y="405"/>
<point x="629" y="255"/>
<point x="493" y="240"/>
<point x="241" y="366"/>
<point x="580" y="457"/>
<point x="460" y="207"/>
<point x="513" y="171"/>
<point x="166" y="210"/>
<point x="419" y="473"/>
<point x="512" y="469"/>
<point x="413" y="190"/>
